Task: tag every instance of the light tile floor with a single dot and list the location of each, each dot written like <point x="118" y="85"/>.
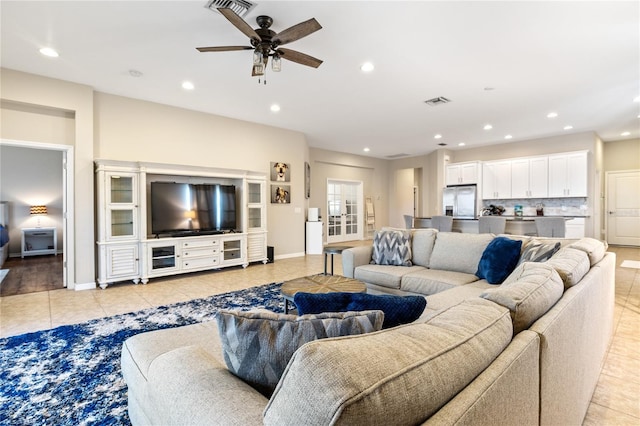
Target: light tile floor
<point x="616" y="400"/>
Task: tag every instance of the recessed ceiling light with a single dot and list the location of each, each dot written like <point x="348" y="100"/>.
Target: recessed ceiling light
<point x="488" y="127"/>
<point x="187" y="85"/>
<point x="625" y="133"/>
<point x="367" y="67"/>
<point x="275" y="108"/>
<point x="508" y="136"/>
<point x="568" y="127"/>
<point x="636" y="99"/>
<point x="552" y="115"/>
<point x="461" y="144"/>
<point x="366" y="150"/>
<point x="438" y="136"/>
<point x="47" y="51"/>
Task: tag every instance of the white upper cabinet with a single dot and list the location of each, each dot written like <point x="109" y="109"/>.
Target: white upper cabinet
<point x="462" y="173"/>
<point x="568" y="175"/>
<point x="529" y="177"/>
<point x="496" y="180"/>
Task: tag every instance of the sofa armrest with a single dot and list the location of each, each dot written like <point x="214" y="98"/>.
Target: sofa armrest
<point x="189" y="386"/>
<point x="354" y="257"/>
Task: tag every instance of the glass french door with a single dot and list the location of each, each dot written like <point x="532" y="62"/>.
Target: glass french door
<point x="344" y="211"/>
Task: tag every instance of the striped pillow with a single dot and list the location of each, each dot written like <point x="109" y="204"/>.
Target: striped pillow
<point x="392" y="248"/>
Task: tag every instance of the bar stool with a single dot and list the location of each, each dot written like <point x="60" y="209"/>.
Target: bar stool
<point x="492" y="224"/>
<point x="442" y="223"/>
<point x="550" y="226"/>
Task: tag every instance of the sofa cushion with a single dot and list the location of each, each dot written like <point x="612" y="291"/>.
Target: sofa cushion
<point x="432" y="281"/>
<point x="384" y="275"/>
<point x="572" y="264"/>
<point x="258" y="345"/>
<point x="535" y="251"/>
<point x="398" y="376"/>
<point x="422" y="241"/>
<point x="459" y="252"/>
<point x="595" y="249"/>
<point x="499" y="259"/>
<point x="397" y="309"/>
<point x="529" y="292"/>
<point x="392" y="248"/>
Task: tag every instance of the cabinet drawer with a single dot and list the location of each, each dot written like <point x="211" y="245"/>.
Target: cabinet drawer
<point x="200" y="243"/>
<point x="188" y="252"/>
<point x="201" y="262"/>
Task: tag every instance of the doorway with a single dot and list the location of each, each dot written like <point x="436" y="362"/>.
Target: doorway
<point x="623" y="207"/>
<point x="66" y="214"/>
<point x="345" y="213"/>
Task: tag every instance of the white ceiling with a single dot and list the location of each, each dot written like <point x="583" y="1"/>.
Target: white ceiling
<point x="579" y="59"/>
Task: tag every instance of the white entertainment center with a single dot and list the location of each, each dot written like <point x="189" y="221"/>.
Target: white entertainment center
<point x="127" y="249"/>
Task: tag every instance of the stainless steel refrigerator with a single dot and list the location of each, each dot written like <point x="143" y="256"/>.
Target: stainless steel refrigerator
<point x="460" y="201"/>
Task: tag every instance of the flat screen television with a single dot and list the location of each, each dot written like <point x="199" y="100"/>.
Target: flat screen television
<point x="186" y="209"/>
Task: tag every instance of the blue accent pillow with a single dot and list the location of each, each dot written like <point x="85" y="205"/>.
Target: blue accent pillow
<point x="499" y="259"/>
<point x="397" y="309"/>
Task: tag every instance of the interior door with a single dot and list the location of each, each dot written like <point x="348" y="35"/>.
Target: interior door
<point x="344" y="211"/>
<point x="623" y="207"/>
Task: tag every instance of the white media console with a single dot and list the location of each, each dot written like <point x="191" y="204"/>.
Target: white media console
<point x="128" y="251"/>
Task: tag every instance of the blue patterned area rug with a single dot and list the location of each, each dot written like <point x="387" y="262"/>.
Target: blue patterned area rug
<point x="71" y="375"/>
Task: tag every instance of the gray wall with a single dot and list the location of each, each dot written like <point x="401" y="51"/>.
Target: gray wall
<point x="31" y="177"/>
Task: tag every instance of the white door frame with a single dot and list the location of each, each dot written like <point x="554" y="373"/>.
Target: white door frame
<point x="68" y="235"/>
<point x="609" y="207"/>
<point x="361" y="208"/>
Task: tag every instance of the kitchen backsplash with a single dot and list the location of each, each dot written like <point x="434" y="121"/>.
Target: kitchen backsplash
<point x="552" y="206"/>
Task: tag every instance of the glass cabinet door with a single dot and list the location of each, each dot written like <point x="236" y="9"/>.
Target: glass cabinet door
<point x="121" y="206"/>
<point x="255" y="192"/>
<point x="121" y="189"/>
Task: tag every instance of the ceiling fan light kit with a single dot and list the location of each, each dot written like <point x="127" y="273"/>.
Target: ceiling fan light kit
<point x="266" y="43"/>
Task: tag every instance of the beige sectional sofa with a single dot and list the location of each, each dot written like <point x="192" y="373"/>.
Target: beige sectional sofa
<point x="528" y="351"/>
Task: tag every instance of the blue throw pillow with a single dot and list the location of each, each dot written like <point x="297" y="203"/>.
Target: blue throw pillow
<point x="397" y="309"/>
<point x="499" y="259"/>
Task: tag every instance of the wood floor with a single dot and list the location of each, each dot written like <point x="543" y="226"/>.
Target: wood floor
<point x="32" y="274"/>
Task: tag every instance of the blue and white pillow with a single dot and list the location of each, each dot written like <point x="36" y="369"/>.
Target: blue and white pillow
<point x="392" y="248"/>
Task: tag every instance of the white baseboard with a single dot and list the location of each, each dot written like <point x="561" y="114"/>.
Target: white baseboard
<point x="288" y="256"/>
<point x="83" y="286"/>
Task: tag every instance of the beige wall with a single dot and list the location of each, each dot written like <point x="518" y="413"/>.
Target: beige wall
<point x="622" y="155"/>
<point x="372" y="172"/>
<point x="134" y="130"/>
<point x="47" y="98"/>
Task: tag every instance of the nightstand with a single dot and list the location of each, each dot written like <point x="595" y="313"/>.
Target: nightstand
<point x="38" y="241"/>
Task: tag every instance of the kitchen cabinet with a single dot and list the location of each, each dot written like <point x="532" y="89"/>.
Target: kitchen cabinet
<point x="568" y="175"/>
<point x="529" y="177"/>
<point x="462" y="173"/>
<point x="574" y="228"/>
<point x="496" y="180"/>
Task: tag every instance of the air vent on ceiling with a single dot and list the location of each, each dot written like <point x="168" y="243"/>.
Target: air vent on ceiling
<point x="397" y="156"/>
<point x="240" y="7"/>
<point x="440" y="100"/>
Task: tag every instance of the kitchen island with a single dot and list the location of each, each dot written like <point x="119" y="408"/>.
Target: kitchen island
<point x="516" y="225"/>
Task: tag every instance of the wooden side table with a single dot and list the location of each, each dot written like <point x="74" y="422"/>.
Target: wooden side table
<point x="320" y="283"/>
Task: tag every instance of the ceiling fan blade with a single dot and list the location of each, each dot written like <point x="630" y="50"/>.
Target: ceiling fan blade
<point x="239" y="23"/>
<point x="223" y="48"/>
<point x="300" y="58"/>
<point x="296" y="32"/>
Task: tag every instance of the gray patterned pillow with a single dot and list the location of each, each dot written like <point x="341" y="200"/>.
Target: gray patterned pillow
<point x="538" y="252"/>
<point x="392" y="248"/>
<point x="258" y="345"/>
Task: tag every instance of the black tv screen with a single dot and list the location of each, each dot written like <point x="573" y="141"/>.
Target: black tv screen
<point x="184" y="208"/>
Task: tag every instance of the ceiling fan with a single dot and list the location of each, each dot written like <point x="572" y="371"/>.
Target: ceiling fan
<point x="266" y="43"/>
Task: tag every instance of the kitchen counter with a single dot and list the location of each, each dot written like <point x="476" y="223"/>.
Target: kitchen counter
<point x="516" y="225"/>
